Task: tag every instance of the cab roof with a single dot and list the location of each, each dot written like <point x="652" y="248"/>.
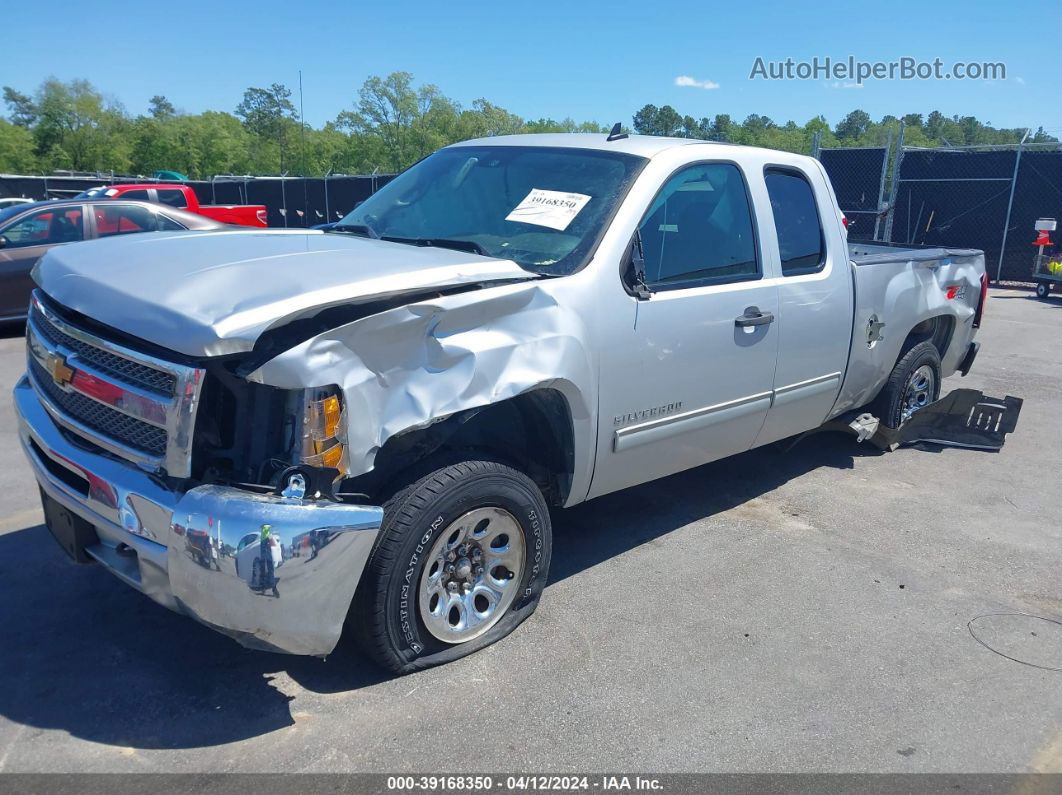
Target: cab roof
<point x="641" y="145"/>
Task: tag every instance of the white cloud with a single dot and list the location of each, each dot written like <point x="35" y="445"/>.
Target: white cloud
<point x="692" y="82"/>
<point x="1019" y="80"/>
<point x="846" y="85"/>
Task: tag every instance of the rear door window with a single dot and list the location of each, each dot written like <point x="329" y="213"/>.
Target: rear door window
<point x="124" y="219"/>
<point x="167" y="224"/>
<point x="796" y="220"/>
<point x="137" y="195"/>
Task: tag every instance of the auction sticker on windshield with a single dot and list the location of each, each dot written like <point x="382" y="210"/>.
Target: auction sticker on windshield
<point x="551" y="208"/>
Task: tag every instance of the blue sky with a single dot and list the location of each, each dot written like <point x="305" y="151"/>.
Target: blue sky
<point x="588" y="59"/>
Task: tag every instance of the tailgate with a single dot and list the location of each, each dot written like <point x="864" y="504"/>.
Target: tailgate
<point x="240" y="214"/>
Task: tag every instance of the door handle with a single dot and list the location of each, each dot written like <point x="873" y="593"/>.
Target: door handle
<point x="754" y="317"/>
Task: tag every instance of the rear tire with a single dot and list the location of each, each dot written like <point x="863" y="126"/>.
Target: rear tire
<point x="461" y="560"/>
<point x="913" y="384"/>
<point x="1043" y="289"/>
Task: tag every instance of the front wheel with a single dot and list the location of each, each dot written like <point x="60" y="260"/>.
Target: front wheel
<point x="1043" y="289"/>
<point x="913" y="384"/>
<point x="461" y="560"/>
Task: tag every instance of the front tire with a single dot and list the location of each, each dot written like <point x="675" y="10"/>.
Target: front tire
<point x="913" y="384"/>
<point x="1043" y="289"/>
<point x="461" y="560"/>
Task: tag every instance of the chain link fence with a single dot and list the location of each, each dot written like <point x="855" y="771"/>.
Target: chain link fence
<point x="289" y="201"/>
<point x="985" y="197"/>
<point x="858" y="176"/>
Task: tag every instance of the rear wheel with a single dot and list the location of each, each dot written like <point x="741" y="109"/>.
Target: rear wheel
<point x="913" y="384"/>
<point x="461" y="560"/>
<point x="1043" y="289"/>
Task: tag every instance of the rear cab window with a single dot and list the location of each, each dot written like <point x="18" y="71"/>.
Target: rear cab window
<point x="172" y="197"/>
<point x="801" y="242"/>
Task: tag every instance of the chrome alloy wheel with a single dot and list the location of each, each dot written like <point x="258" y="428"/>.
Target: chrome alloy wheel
<point x="471" y="575"/>
<point x="919" y="392"/>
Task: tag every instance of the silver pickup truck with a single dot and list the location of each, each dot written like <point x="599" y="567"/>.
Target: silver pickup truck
<point x="285" y="433"/>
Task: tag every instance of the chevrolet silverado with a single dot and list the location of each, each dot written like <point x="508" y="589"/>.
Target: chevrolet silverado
<point x="371" y="425"/>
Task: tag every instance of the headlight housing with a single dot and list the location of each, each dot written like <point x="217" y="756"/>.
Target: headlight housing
<point x="324" y="432"/>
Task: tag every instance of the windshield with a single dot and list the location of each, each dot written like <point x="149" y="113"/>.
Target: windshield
<point x="15" y="209"/>
<point x="544" y="208"/>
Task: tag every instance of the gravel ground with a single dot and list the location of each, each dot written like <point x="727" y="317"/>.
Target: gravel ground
<point x="800" y="611"/>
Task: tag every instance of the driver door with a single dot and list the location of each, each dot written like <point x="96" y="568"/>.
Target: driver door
<point x="690" y="379"/>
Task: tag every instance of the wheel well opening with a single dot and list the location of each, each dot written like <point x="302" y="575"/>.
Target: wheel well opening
<point x="531" y="432"/>
<point x="937" y="330"/>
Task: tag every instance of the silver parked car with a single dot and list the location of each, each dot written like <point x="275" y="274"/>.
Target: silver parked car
<point x="510" y="326"/>
<point x="29" y="229"/>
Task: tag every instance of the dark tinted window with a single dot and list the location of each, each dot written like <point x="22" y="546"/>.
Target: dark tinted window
<point x="123" y="219"/>
<point x="700" y="227"/>
<point x="46" y="227"/>
<point x="137" y="195"/>
<point x="174" y="198"/>
<point x="796" y="218"/>
<point x="168" y="224"/>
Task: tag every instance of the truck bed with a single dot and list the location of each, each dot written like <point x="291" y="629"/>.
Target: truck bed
<point x="906" y="288"/>
<point x="879" y="253"/>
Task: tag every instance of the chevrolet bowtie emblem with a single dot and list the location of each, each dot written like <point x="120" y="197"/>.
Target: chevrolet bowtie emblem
<point x="61" y="372"/>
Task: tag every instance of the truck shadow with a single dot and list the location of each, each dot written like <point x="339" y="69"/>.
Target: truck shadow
<point x="595" y="531"/>
<point x="86" y="655"/>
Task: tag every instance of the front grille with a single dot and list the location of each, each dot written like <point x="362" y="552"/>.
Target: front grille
<point x="128" y="371"/>
<point x="125" y="402"/>
<point x="113" y="424"/>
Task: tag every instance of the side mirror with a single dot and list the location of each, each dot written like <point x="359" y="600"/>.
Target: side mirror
<point x="3" y="241"/>
<point x="634" y="269"/>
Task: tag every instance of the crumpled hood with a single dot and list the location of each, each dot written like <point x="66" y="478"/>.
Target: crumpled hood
<point x="213" y="293"/>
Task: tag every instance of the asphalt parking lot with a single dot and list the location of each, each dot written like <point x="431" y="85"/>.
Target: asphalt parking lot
<point x="797" y="611"/>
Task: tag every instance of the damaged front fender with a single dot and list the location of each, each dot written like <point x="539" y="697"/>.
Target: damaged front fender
<point x="411" y="366"/>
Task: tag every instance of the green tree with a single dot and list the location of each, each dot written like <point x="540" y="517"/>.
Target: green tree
<point x="486" y="119"/>
<point x="75" y="118"/>
<point x="394" y="123"/>
<point x="21" y="107"/>
<point x="853" y="126"/>
<point x="722" y="128"/>
<point x="651" y="120"/>
<point x="161" y="108"/>
<point x="392" y="110"/>
<point x="269" y="114"/>
<point x="16" y="149"/>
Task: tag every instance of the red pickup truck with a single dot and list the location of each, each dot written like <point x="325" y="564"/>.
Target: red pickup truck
<point x="183" y="198"/>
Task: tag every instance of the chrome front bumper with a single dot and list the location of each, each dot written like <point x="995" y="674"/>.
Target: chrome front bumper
<point x="143" y="531"/>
